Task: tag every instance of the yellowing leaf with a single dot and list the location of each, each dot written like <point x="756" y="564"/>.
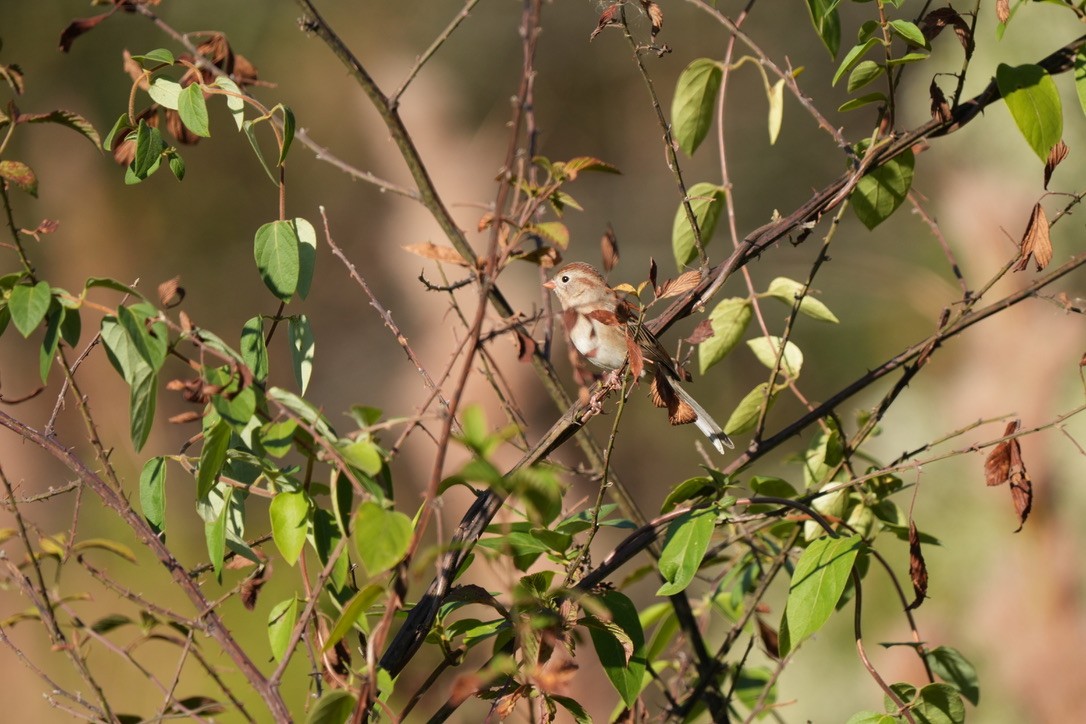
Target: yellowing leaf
<point x="429" y="250"/>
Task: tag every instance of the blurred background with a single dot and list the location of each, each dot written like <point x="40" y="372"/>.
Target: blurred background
<point x="1013" y="604"/>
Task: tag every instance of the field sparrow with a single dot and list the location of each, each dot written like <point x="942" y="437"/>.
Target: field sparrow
<point x="606" y="331"/>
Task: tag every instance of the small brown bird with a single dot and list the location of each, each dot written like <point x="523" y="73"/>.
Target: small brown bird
<point x="606" y="331"/>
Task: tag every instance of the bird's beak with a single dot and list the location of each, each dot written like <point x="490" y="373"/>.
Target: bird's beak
<point x="549" y="284"/>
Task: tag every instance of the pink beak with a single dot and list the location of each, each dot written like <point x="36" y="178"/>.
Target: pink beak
<point x="548" y="284"/>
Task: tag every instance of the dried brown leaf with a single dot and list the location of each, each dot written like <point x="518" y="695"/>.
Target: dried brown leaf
<point x="609" y="16"/>
<point x="770" y="638"/>
<point x="609" y="249"/>
<point x="185" y="417"/>
<point x="171" y="293"/>
<point x="47" y="226"/>
<point x="940" y="109"/>
<point x="1003" y="11"/>
<point x="1036" y="242"/>
<point x="702" y="332"/>
<point x="134" y="70"/>
<point x="937" y="20"/>
<point x="78" y="27"/>
<point x="997" y="465"/>
<point x="485" y="221"/>
<point x="250" y="589"/>
<point x="652" y="273"/>
<point x="179" y="130"/>
<point x="525" y="347"/>
<point x="637" y="359"/>
<point x="1055" y="156"/>
<point x="918" y="570"/>
<point x="656" y="15"/>
<point x="429" y="250"/>
<point x="464" y="687"/>
<point x="684" y="283"/>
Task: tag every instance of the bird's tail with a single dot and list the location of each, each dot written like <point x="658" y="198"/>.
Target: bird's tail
<point x="704" y="421"/>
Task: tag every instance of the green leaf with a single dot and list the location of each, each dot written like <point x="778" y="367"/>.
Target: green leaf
<point x="307" y="254"/>
<point x="908" y="32"/>
<point x="136" y="330"/>
<point x="277" y="258"/>
<point x="938" y="704"/>
<point x="281" y="622"/>
<point x="364" y="455"/>
<point x="729" y="320"/>
<point x="153" y="493"/>
<point x="787" y="290"/>
<point x="864" y="72"/>
<point x="826" y="23"/>
<point x="277" y="437"/>
<point x="120" y="126"/>
<point x="249" y="128"/>
<point x="766" y="350"/>
<point x="684" y="547"/>
<point x="289" y="514"/>
<point x="694" y="103"/>
<point x="688" y="490"/>
<point x="882" y="190"/>
<point x="1080" y="78"/>
<point x="254" y="352"/>
<point x="853" y="57"/>
<point x="908" y="58"/>
<point x="625" y="668"/>
<point x="288" y="132"/>
<point x="53" y="321"/>
<point x="193" y="110"/>
<point x="303" y="409"/>
<point x="862" y="101"/>
<point x="158" y="56"/>
<point x="165" y="92"/>
<point x="234" y="103"/>
<point x="142" y="402"/>
<point x="354" y="613"/>
<point x="74" y="121"/>
<point x="212" y="457"/>
<point x="872" y="717"/>
<point x="381" y="537"/>
<point x="28" y="306"/>
<point x="302" y="348"/>
<point x="113" y="284"/>
<point x="177" y="165"/>
<point x="955" y="669"/>
<point x="20" y="175"/>
<point x="574" y="707"/>
<point x="706" y="201"/>
<point x="817" y="583"/>
<point x="71" y="326"/>
<point x="1034" y="104"/>
<point x="745" y="416"/>
<point x="215" y="535"/>
<point x="334" y="707"/>
<point x="149" y="148"/>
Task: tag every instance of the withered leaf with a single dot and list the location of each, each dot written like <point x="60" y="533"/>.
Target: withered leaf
<point x="47" y="226"/>
<point x="251" y="587"/>
<point x="134" y="70"/>
<point x="1055" y="156"/>
<point x="637" y="359"/>
<point x="78" y="27"/>
<point x="1036" y="242"/>
<point x="652" y="272"/>
<point x="485" y="221"/>
<point x="656" y="15"/>
<point x="702" y="332"/>
<point x="179" y="130"/>
<point x="684" y="283"/>
<point x="609" y="16"/>
<point x="185" y="418"/>
<point x="1003" y="11"/>
<point x="171" y="293"/>
<point x="940" y="109"/>
<point x="770" y="638"/>
<point x="525" y="347"/>
<point x="997" y="465"/>
<point x="609" y="249"/>
<point x="938" y="19"/>
<point x="429" y="250"/>
<point x="918" y="570"/>
<point x="1004" y="465"/>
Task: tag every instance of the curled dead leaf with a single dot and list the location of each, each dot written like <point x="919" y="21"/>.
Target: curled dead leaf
<point x="1036" y="242"/>
<point x="79" y="26"/>
<point x="656" y="15"/>
<point x="185" y="417"/>
<point x="171" y="293"/>
<point x="940" y="109"/>
<point x="609" y="16"/>
<point x="1003" y="11"/>
<point x="682" y="284"/>
<point x="702" y="332"/>
<point x="769" y="637"/>
<point x="609" y="249"/>
<point x="429" y="250"/>
<point x="940" y="18"/>
<point x="1004" y="465"/>
<point x="918" y="570"/>
<point x="1055" y="156"/>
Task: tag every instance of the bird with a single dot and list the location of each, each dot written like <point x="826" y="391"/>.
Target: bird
<point x="607" y="331"/>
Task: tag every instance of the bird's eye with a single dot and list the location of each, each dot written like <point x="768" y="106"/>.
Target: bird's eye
<point x="565" y="278"/>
